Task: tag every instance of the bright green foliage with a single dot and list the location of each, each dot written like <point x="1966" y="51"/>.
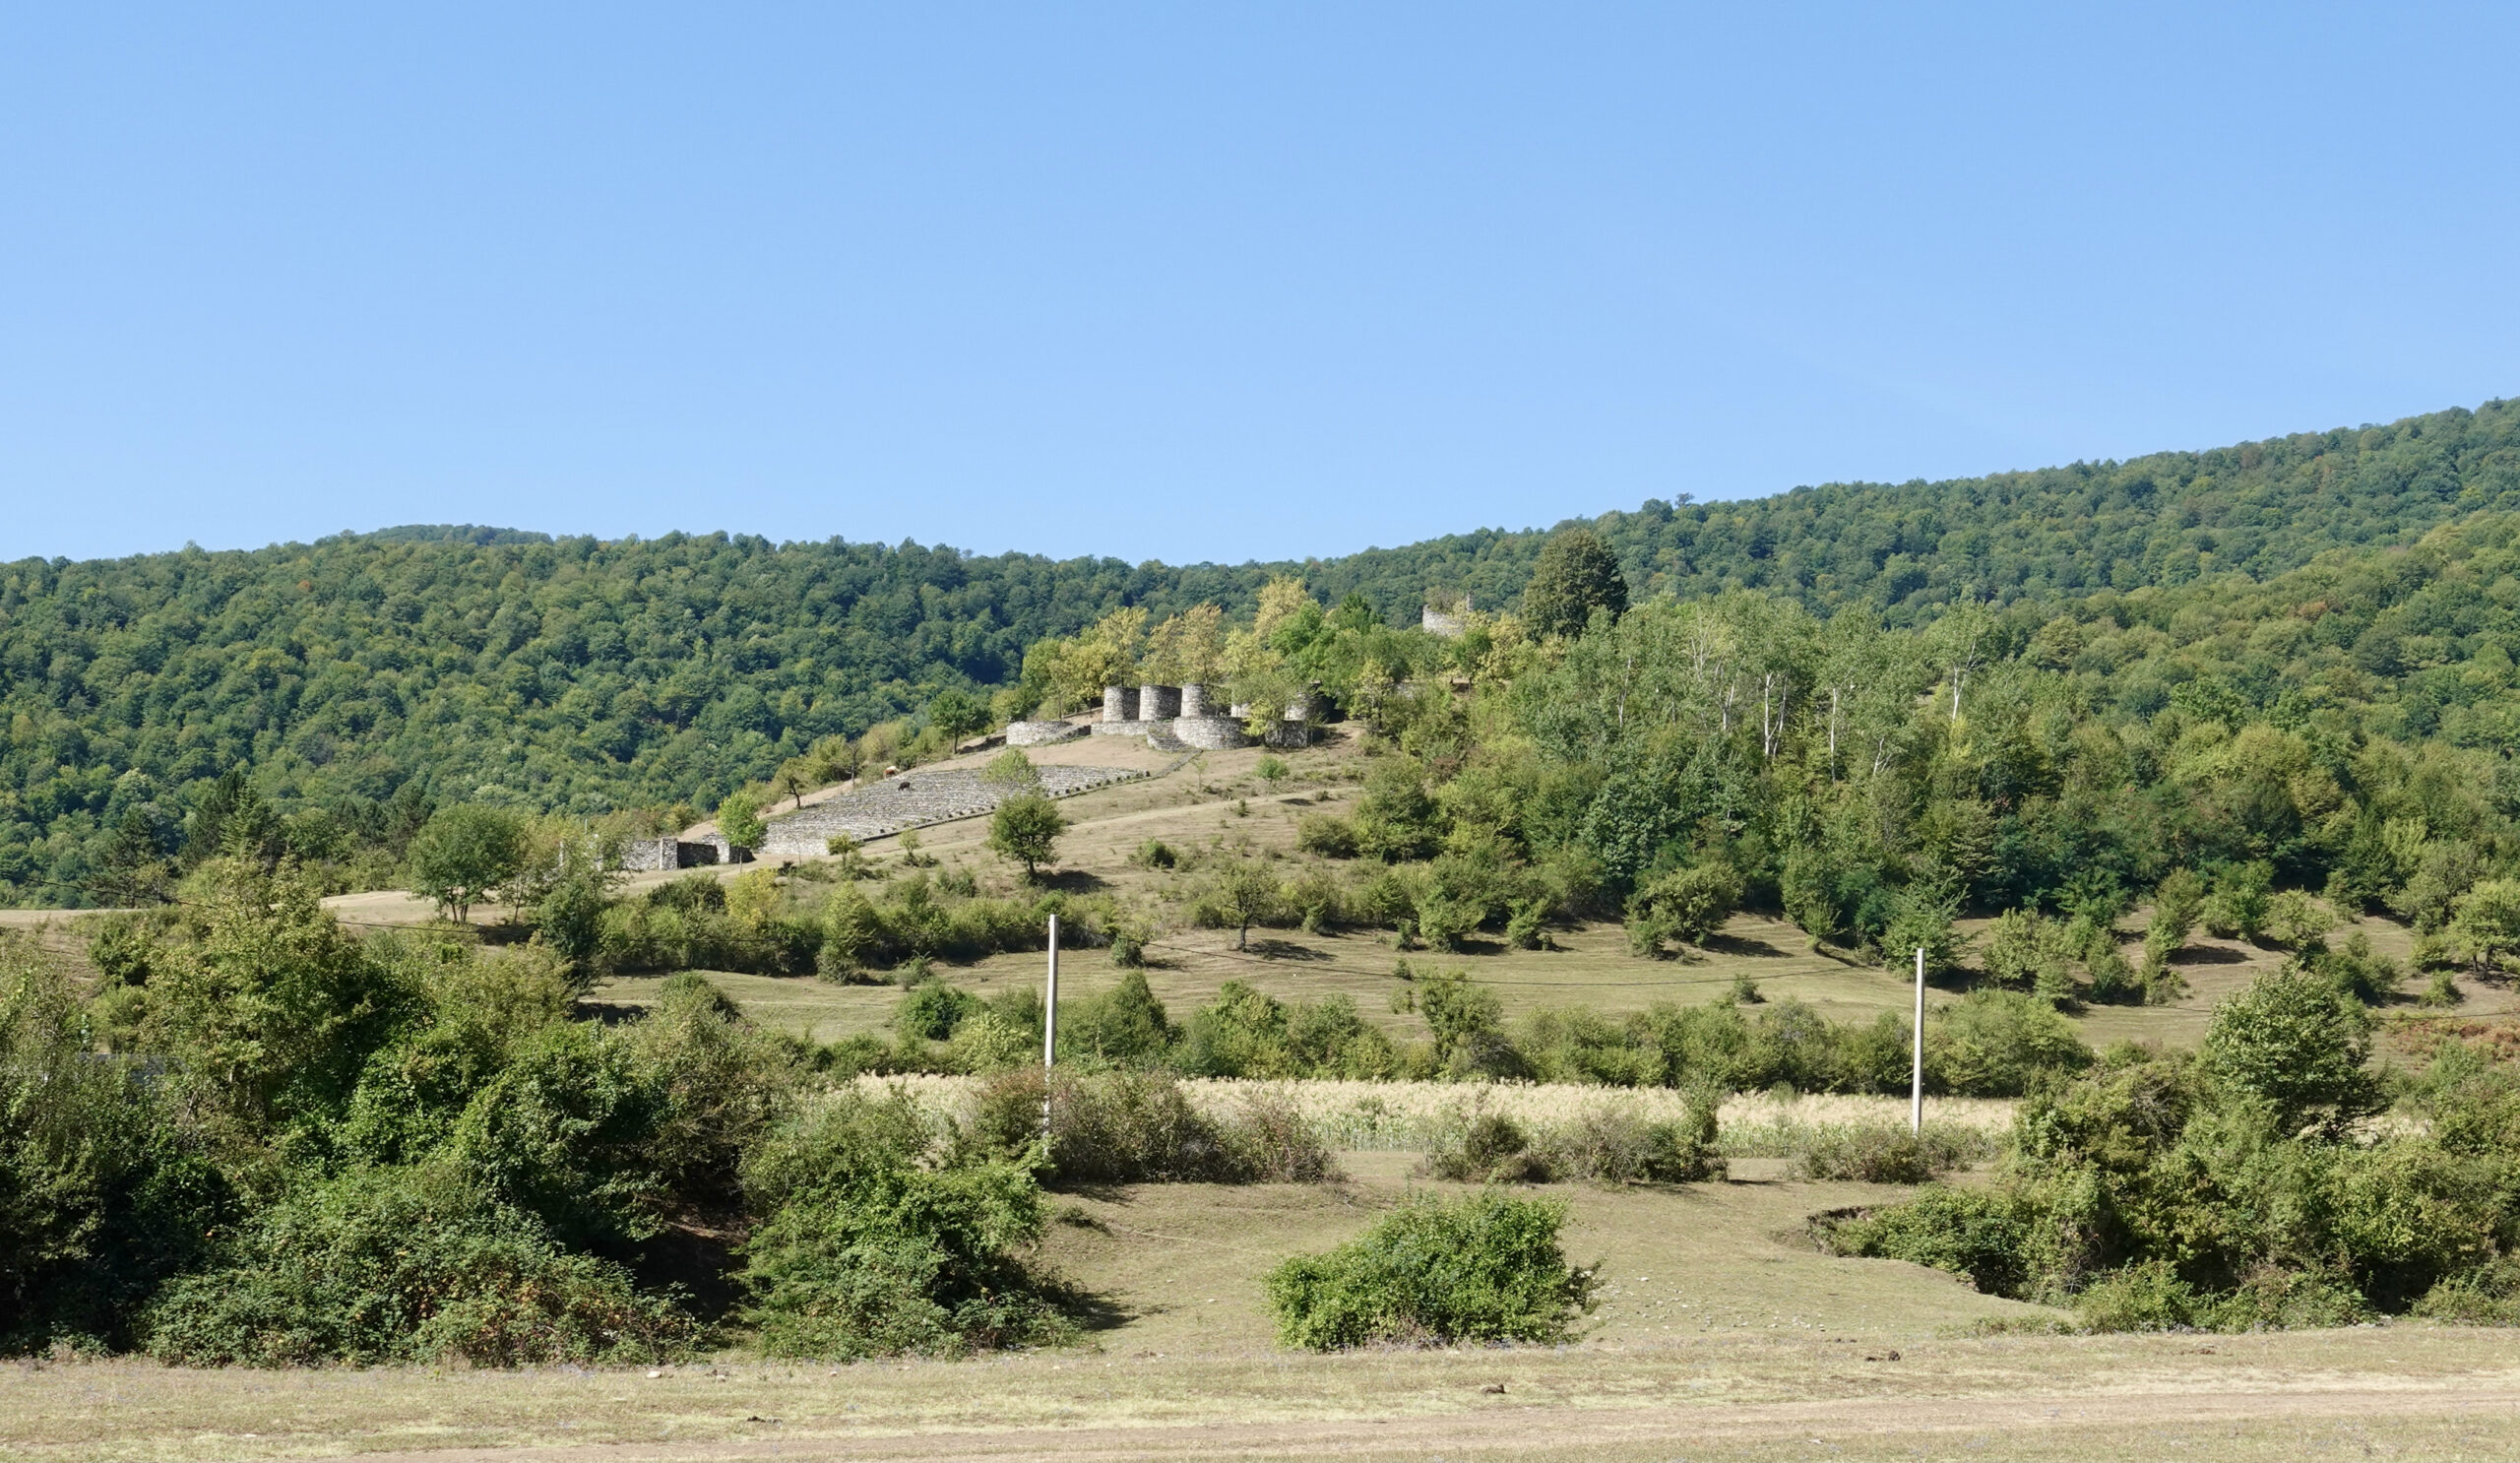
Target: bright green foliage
<point x="1686" y="904"/>
<point x="2001" y="1042"/>
<point x="933" y="1009"/>
<point x="269" y="1016"/>
<point x="1026" y="830"/>
<point x="2488" y="920"/>
<point x="1397" y="819"/>
<point x="1125" y="1024"/>
<point x="100" y="1201"/>
<point x="740" y="819"/>
<point x="1245" y="1033"/>
<point x="957" y="713"/>
<point x="2290" y="1042"/>
<point x="1577" y="575"/>
<point x="1243" y="893"/>
<point x="1922" y="920"/>
<point x="1466" y="1019"/>
<point x="465" y="853"/>
<point x="2240" y="902"/>
<point x="1487" y="1267"/>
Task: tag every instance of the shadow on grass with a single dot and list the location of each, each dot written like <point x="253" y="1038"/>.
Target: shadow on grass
<point x="1743" y="946"/>
<point x="1271" y="949"/>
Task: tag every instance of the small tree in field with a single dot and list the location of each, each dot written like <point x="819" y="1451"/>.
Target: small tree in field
<point x="464" y="852"/>
<point x="1244" y="894"/>
<point x="740" y="819"/>
<point x="1026" y="830"/>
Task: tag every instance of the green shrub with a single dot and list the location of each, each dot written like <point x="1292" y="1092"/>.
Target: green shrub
<point x="933" y="1010"/>
<point x="1125" y="1024"/>
<point x="1685" y="905"/>
<point x="2290" y="1042"/>
<point x="100" y="1196"/>
<point x="2273" y="1298"/>
<point x="1997" y="1043"/>
<point x="1489" y="1148"/>
<point x="1245" y="1033"/>
<point x="2487" y="1296"/>
<point x="718" y="1084"/>
<point x="561" y="1133"/>
<point x="1326" y="834"/>
<point x="1582" y="1045"/>
<point x="886" y="1259"/>
<point x="2146" y="1297"/>
<point x="1487" y="1267"/>
<point x="1881" y="1152"/>
<point x="1397" y="819"/>
<point x="402" y="1265"/>
<point x="2238" y="906"/>
<point x="1984" y="1235"/>
<point x="1138" y="1128"/>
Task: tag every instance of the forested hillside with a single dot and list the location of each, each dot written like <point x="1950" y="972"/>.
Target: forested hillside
<point x="363" y="678"/>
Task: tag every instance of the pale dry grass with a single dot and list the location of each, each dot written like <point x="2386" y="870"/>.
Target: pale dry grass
<point x="1412" y="1116"/>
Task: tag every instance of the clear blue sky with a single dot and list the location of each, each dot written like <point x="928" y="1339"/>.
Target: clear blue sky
<point x="1205" y="281"/>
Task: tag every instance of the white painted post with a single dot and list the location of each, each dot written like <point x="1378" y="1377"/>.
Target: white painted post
<point x="1917" y="1072"/>
<point x="1051" y="1028"/>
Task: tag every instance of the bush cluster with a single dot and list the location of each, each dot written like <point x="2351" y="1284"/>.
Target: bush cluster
<point x="2239" y="1188"/>
<point x="1606" y="1143"/>
<point x="1487" y="1267"/>
<point x="1138" y="1128"/>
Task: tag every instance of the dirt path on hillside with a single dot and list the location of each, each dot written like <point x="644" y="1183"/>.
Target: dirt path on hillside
<point x="2426" y="1421"/>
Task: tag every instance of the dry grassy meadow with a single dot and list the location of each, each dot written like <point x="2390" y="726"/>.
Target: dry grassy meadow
<point x="1723" y="1333"/>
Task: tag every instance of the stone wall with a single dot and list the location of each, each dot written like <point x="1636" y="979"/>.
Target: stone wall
<point x="1119" y="703"/>
<point x="1042" y="734"/>
<point x="1159" y="703"/>
<point x="1210" y="734"/>
<point x="651" y="855"/>
<point x="1194" y="701"/>
<point x="917" y="798"/>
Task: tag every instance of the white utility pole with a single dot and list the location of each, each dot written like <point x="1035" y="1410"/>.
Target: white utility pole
<point x="1051" y="1028"/>
<point x="1051" y="1008"/>
<point x="1915" y="1073"/>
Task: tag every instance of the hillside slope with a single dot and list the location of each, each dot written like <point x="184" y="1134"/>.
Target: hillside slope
<point x="569" y="673"/>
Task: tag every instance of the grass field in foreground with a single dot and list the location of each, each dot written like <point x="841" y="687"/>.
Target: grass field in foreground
<point x="1723" y="1335"/>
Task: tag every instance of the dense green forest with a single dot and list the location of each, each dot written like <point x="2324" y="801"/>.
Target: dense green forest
<point x="436" y="665"/>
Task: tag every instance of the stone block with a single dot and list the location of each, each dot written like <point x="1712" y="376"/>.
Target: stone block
<point x="1210" y="734"/>
<point x="1042" y="734"/>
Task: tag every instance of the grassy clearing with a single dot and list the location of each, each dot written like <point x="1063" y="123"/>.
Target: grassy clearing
<point x="1721" y="1335"/>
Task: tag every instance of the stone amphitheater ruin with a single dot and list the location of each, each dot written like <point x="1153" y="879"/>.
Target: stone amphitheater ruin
<point x="1182" y="721"/>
